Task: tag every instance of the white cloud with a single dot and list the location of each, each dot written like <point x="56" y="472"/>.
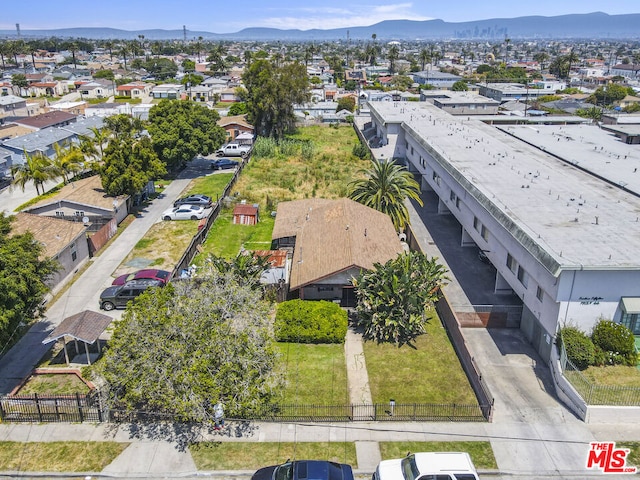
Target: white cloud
<point x="332" y="17"/>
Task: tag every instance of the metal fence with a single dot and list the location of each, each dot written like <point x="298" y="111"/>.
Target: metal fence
<point x="594" y="394"/>
<point x="87" y="408"/>
<point x="48" y="409"/>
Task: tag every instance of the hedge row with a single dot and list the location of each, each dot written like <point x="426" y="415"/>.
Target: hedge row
<point x="300" y="321"/>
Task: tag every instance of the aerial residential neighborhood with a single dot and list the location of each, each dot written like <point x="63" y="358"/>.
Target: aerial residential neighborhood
<point x="408" y="249"/>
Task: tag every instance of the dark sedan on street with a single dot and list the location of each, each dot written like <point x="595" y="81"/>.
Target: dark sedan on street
<point x="152" y="273"/>
<point x="305" y="470"/>
<point x="224" y="163"/>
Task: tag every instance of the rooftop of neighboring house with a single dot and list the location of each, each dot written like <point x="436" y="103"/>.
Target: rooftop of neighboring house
<point x="11" y="100"/>
<point x="49" y="119"/>
<point x="234" y="120"/>
<point x="86" y="191"/>
<point x="54" y="233"/>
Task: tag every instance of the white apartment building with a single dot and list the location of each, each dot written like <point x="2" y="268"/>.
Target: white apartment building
<point x="557" y="212"/>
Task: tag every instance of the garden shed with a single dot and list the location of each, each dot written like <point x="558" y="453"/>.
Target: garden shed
<point x="244" y="214"/>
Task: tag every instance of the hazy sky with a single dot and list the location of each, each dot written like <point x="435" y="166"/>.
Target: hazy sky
<point x="223" y="16"/>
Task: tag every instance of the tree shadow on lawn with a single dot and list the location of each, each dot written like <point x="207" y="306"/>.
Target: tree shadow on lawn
<point x="182" y="434"/>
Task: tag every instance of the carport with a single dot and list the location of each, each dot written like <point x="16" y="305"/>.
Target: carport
<point x="86" y="327"/>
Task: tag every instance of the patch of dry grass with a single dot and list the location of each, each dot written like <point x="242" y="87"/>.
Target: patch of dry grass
<point x="54" y="384"/>
<point x="163" y="245"/>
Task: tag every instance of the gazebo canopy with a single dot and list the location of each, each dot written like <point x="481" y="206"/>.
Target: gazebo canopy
<point x="86" y="326"/>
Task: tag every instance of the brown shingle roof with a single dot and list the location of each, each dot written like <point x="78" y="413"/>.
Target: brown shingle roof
<point x="86" y="326"/>
<point x="48" y="119"/>
<point x="242" y="209"/>
<point x="333" y="236"/>
<point x="54" y="233"/>
<point x="233" y="120"/>
<point x="87" y="191"/>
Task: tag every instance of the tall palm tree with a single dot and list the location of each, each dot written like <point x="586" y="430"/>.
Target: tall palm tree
<point x="425" y="57"/>
<point x="68" y="159"/>
<point x="124" y="49"/>
<point x="385" y="189"/>
<point x="392" y="55"/>
<point x="36" y="168"/>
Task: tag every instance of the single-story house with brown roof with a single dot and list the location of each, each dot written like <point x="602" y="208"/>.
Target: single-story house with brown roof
<point x="53" y="118"/>
<point x="244" y="214"/>
<point x="63" y="241"/>
<point x="134" y="89"/>
<point x="235" y="125"/>
<point x="82" y="200"/>
<point x="333" y="241"/>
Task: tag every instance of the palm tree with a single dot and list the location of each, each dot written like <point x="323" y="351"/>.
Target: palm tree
<point x="392" y="56"/>
<point x="67" y="160"/>
<point x="541" y="58"/>
<point x="123" y="51"/>
<point x="36" y="168"/>
<point x="572" y="57"/>
<point x="109" y="45"/>
<point x="425" y="57"/>
<point x="385" y="189"/>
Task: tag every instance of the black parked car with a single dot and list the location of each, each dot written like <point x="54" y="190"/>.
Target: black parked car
<point x="304" y="470"/>
<point x="224" y="163"/>
<point x="119" y="295"/>
<point x="195" y="199"/>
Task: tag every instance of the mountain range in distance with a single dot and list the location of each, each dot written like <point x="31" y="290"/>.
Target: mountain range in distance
<point x="596" y="25"/>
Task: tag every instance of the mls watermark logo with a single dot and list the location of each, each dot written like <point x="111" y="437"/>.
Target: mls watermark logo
<point x="607" y="458"/>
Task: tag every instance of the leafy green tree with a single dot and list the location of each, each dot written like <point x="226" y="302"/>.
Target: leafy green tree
<point x="122" y="124"/>
<point x="129" y="164"/>
<point x="19" y="80"/>
<point x="192" y="79"/>
<point x="609" y="94"/>
<point x="393" y="299"/>
<point x="161" y="68"/>
<point x="346" y="103"/>
<point x="37" y="168"/>
<point x="245" y="268"/>
<point x="181" y="130"/>
<point x="180" y="349"/>
<point x="460" y="86"/>
<point x="104" y="73"/>
<point x="594" y="113"/>
<point x="271" y="93"/>
<point x="238" y="108"/>
<point x="188" y="65"/>
<point x="24" y="271"/>
<point x="386" y="187"/>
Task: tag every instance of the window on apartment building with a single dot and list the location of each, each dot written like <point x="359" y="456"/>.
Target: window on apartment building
<point x="325" y="289"/>
<point x="484" y="232"/>
<point x="458" y="203"/>
<point x="79" y="213"/>
<point x="511" y="263"/>
<point x="59" y="214"/>
<point x="436" y="178"/>
<point x="411" y="149"/>
<point x="74" y="252"/>
<point x="539" y="293"/>
<point x="476" y="224"/>
<point x="522" y="276"/>
<point x="452" y="196"/>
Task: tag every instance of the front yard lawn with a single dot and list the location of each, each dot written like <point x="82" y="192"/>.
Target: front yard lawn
<point x="251" y="456"/>
<point x="315" y="374"/>
<point x="58" y="456"/>
<point x="428" y="373"/>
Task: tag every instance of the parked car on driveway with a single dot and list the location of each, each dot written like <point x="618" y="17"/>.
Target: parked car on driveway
<point x="152" y="273"/>
<point x="437" y="465"/>
<point x="224" y="163"/>
<point x="305" y="470"/>
<point x="195" y="199"/>
<point x="184" y="212"/>
<point x="117" y="296"/>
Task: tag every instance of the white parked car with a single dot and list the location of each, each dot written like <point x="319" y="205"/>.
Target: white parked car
<point x="428" y="465"/>
<point x="184" y="212"/>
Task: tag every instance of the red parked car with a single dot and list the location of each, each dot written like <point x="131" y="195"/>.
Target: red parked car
<point x="151" y="273"/>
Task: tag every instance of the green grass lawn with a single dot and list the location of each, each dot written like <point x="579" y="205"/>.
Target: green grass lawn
<point x="212" y="185"/>
<point x="428" y="373"/>
<point x="225" y="239"/>
<point x="480" y="452"/>
<point x="315" y="374"/>
<point x="251" y="456"/>
<point x="58" y="456"/>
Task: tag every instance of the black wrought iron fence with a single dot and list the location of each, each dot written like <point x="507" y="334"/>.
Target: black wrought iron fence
<point x="49" y="409"/>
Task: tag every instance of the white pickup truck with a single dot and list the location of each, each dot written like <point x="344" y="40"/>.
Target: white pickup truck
<point x="234" y="150"/>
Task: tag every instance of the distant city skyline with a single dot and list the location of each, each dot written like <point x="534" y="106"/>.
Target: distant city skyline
<point x="228" y="17"/>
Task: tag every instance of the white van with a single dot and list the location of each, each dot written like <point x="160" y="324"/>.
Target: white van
<point x="428" y="466"/>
